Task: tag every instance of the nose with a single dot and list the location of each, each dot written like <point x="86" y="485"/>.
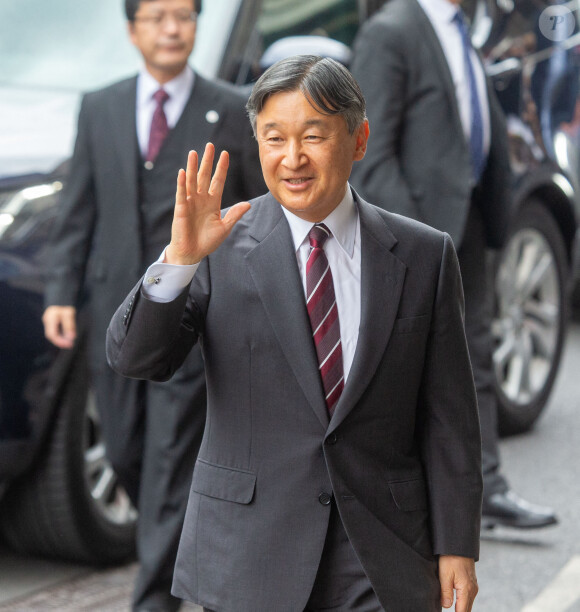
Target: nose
<point x="170" y="24"/>
<point x="293" y="155"/>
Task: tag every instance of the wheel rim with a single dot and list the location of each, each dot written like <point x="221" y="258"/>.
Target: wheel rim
<point x="527" y="323"/>
<point x="110" y="498"/>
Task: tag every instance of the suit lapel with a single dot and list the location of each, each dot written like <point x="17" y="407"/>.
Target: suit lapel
<point x="203" y="113"/>
<point x="382" y="276"/>
<point x="272" y="264"/>
<point x="124" y="132"/>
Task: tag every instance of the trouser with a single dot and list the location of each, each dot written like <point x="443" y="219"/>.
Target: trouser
<point x="152" y="433"/>
<point x="478" y="317"/>
<point x="341" y="583"/>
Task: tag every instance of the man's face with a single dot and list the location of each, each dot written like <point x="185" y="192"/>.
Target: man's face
<point x="306" y="156"/>
<point x="164" y="35"/>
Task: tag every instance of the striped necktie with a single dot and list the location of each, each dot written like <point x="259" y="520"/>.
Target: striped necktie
<point x="323" y="312"/>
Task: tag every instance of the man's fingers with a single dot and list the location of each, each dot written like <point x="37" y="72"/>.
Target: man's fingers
<point x="464" y="602"/>
<point x="191" y="174"/>
<point x="457" y="573"/>
<point x="235" y="213"/>
<point x="446" y="591"/>
<point x="465" y="594"/>
<point x="181" y="191"/>
<point x="51" y="330"/>
<point x="219" y="178"/>
<point x="60" y="325"/>
<point x="205" y="168"/>
<point x="69" y="325"/>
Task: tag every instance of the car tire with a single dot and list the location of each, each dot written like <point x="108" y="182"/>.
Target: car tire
<point x="530" y="318"/>
<point x="53" y="509"/>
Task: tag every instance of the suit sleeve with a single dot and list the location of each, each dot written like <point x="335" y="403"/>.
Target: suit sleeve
<point x="72" y="233"/>
<point x="449" y="422"/>
<point x="150" y="340"/>
<point x="380" y="67"/>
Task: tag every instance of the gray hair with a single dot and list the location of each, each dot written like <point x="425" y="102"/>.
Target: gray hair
<point x="325" y="83"/>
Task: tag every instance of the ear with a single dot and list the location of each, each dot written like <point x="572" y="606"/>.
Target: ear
<point x="362" y="136"/>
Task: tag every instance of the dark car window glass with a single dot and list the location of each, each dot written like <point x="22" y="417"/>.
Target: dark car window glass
<point x="338" y="19"/>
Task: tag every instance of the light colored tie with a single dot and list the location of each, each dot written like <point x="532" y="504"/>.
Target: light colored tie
<point x="159" y="127"/>
<point x="476" y="140"/>
<point x="323" y="312"/>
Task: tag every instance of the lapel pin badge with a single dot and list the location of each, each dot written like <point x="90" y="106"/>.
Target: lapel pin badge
<point x="212" y="116"/>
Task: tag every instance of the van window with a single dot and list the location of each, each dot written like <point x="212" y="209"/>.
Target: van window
<point x="338" y="19"/>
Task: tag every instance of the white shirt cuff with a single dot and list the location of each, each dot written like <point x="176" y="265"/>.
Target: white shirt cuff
<point x="163" y="282"/>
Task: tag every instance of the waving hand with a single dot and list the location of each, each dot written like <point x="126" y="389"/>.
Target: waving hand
<point x="198" y="227"/>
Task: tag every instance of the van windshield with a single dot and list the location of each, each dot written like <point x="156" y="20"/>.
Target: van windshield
<point x="79" y="45"/>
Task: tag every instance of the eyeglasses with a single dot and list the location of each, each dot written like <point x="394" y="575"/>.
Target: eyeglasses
<point x="158" y="19"/>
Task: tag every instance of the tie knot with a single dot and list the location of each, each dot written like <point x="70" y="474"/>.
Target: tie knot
<point x="318" y="235"/>
<point x="161" y="97"/>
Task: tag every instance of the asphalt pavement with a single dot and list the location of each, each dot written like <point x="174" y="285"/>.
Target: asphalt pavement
<point x="36" y="585"/>
<point x="539" y="571"/>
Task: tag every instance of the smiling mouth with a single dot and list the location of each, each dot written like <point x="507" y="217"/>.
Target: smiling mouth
<point x="297" y="181"/>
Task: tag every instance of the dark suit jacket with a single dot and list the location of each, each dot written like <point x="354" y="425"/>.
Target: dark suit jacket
<point x="98" y="242"/>
<point x="417" y="162"/>
<point x="401" y="454"/>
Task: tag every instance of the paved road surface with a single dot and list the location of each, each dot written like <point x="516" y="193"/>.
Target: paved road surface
<point x="35" y="586"/>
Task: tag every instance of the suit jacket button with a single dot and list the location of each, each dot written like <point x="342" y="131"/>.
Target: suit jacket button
<point x="332" y="439"/>
<point x="324" y="499"/>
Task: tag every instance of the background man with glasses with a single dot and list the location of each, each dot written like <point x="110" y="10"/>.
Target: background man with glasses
<point x="115" y="218"/>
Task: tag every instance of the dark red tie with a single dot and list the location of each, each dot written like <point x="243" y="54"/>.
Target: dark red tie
<point x="159" y="128"/>
<point x="321" y="303"/>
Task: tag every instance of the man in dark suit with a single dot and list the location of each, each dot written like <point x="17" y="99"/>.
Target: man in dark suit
<point x="340" y="464"/>
<point x="115" y="218"/>
<point x="439" y="154"/>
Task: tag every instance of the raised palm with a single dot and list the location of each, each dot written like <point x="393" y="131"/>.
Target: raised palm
<point x="198" y="227"/>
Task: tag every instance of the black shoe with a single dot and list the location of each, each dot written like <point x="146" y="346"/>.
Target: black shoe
<point x="510" y="510"/>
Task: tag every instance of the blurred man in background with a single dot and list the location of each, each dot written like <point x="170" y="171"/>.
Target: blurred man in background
<point x="438" y="153"/>
<point x="115" y="218"/>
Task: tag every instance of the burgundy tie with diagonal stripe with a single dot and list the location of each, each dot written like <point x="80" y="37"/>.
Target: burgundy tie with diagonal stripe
<point x="321" y="304"/>
<point x="159" y="127"/>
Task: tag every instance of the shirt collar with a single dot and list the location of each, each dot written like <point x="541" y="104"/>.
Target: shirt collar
<point x="441" y="11"/>
<point x="342" y="222"/>
<point x="147" y="85"/>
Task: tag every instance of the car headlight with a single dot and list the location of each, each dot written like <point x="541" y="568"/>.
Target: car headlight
<point x="22" y="209"/>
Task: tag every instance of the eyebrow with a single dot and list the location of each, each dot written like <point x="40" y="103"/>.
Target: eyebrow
<point x="311" y="122"/>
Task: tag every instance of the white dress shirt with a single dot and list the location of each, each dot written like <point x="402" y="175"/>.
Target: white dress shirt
<point x="343" y="253"/>
<point x="441" y="14"/>
<point x="164" y="282"/>
<point x="179" y="90"/>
